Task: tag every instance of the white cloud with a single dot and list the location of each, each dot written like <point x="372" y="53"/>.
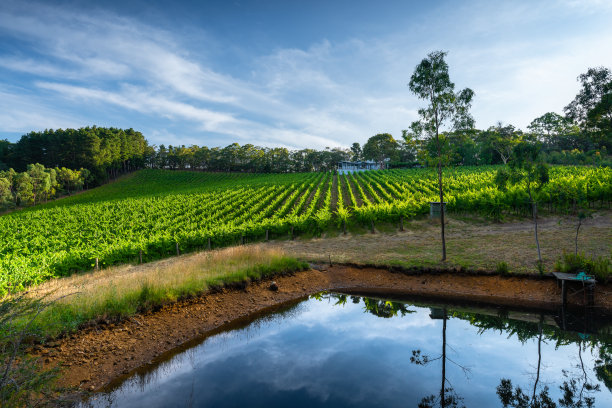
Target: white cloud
<point x="19" y="111"/>
<point x="330" y="93"/>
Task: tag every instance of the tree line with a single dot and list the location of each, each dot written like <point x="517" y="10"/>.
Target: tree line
<point x="105" y="152"/>
<point x="38" y="184"/>
<point x="583" y="135"/>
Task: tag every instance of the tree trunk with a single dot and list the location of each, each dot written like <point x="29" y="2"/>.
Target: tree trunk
<point x="576" y="240"/>
<point x="534" y="211"/>
<point x="535" y="220"/>
<point x="535" y="385"/>
<point x="441" y="192"/>
<point x="442" y="389"/>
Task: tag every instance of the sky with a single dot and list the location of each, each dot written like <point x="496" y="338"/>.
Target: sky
<point x="298" y="74"/>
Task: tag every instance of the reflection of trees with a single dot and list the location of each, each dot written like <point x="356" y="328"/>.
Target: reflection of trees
<point x="573" y="397"/>
<point x="385" y="308"/>
<point x="377" y="307"/>
<point x="603" y="365"/>
<point x="447" y="396"/>
<point x="576" y="389"/>
<point x="515" y="397"/>
<point x="535" y="383"/>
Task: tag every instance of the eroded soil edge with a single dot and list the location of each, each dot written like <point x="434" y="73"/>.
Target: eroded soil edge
<point x="95" y="356"/>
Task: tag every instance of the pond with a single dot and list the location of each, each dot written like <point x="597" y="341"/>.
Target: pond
<point x="335" y="350"/>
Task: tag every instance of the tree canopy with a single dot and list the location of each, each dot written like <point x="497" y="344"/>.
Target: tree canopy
<point x="381" y="147"/>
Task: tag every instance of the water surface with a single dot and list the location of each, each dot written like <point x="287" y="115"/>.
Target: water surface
<point x="336" y="350"/>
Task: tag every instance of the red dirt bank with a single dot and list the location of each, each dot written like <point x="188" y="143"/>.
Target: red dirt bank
<point x="95" y="356"/>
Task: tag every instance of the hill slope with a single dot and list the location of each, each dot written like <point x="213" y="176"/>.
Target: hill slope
<point x="154" y="210"/>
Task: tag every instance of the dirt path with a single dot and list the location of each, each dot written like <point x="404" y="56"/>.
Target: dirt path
<point x="93" y="357"/>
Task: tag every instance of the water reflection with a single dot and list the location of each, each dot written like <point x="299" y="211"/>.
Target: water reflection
<point x="447" y="397"/>
<point x="348" y="350"/>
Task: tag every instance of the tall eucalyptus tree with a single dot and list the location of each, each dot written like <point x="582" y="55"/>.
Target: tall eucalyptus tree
<point x="431" y="82"/>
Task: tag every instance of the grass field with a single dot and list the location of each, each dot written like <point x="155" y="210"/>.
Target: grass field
<point x="153" y="213"/>
<point x="473" y="243"/>
<point x="119" y="292"/>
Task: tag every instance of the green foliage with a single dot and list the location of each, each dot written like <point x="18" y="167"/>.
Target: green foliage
<point x="591" y="109"/>
<point x="23" y="382"/>
<point x="380" y="147"/>
<point x="66" y="317"/>
<point x="152" y="210"/>
<point x="38" y="183"/>
<point x="431" y="82"/>
<point x="600" y="267"/>
<point x="502" y="268"/>
<point x="104" y="152"/>
<point x="540" y="267"/>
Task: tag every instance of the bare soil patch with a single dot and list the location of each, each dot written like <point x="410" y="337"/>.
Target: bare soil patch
<point x="95" y="356"/>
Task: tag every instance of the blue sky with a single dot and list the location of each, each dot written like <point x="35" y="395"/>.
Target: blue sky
<point x="284" y="73"/>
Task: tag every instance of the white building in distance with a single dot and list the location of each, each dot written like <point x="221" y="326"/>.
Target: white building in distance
<point x="348" y="167"/>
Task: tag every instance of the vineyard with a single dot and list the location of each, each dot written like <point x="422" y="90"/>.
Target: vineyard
<point x="153" y="214"/>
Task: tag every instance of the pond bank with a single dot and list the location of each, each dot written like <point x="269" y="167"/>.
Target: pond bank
<point x="96" y="356"/>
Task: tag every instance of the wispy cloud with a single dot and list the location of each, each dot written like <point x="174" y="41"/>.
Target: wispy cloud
<point x="327" y="94"/>
<point x="19" y="111"/>
<point x="287" y="99"/>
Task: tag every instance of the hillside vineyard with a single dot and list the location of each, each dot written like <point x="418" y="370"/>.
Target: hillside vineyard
<point x="152" y="213"/>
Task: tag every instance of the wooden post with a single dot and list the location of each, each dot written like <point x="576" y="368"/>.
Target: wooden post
<point x="267" y="235"/>
<point x="177" y="249"/>
<point x="208" y="246"/>
<point x="563" y="293"/>
<point x="401" y="222"/>
<point x="591" y="294"/>
<point x="372" y="226"/>
<point x="140" y="253"/>
<point x="97" y="265"/>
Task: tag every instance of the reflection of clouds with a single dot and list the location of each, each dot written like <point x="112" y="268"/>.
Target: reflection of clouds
<point x="322" y="354"/>
<point x="354" y="318"/>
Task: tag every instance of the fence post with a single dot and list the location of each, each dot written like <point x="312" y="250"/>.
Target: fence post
<point x="401" y="222"/>
<point x="140" y="254"/>
<point x="208" y="246"/>
<point x="267" y="235"/>
<point x="177" y="249"/>
<point x="372" y="226"/>
<point x="97" y="265"/>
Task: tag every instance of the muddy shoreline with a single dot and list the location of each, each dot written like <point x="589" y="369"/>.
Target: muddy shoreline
<point x="97" y="356"/>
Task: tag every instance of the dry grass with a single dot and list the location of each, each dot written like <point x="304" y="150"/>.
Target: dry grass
<point x="167" y="273"/>
<point x="470" y="243"/>
<point x="116" y="293"/>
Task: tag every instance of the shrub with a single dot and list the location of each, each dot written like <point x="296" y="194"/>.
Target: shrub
<point x="600" y="267"/>
<point x="541" y="268"/>
<point x="502" y="268"/>
<point x="22" y="380"/>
